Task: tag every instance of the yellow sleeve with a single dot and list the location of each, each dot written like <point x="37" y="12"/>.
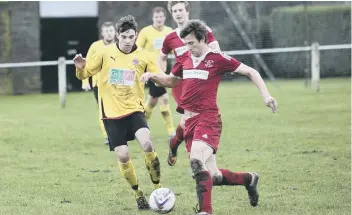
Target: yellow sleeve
<point x="142" y="39"/>
<point x="151" y="64"/>
<point x="93" y="65"/>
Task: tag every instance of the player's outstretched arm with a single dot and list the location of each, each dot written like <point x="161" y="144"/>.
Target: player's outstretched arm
<point x="160" y="79"/>
<point x="259" y="82"/>
<point x="86" y="69"/>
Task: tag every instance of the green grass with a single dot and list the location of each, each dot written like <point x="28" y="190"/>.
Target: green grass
<point x="302" y="154"/>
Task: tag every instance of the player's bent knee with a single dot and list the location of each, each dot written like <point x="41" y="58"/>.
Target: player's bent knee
<point x="144" y="138"/>
<point x="197" y="166"/>
<point x="122" y="153"/>
<point x="164" y="99"/>
<point x="147" y="146"/>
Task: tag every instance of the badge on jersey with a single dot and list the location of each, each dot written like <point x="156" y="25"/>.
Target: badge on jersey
<point x="195" y="73"/>
<point x="158" y="43"/>
<point x="181" y="50"/>
<point x="122" y="77"/>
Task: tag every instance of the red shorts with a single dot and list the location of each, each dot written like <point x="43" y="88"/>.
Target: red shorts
<point x="177" y="92"/>
<point x="205" y="127"/>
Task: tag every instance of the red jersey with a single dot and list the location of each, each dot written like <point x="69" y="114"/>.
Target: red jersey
<point x="201" y="77"/>
<point x="174" y="43"/>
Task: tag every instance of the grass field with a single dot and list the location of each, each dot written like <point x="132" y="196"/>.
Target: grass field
<point x="53" y="160"/>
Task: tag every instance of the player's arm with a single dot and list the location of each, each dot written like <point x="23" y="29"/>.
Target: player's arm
<point x="85" y="83"/>
<point x="230" y="64"/>
<point x="212" y="42"/>
<point x="214" y="45"/>
<point x="165" y="80"/>
<point x="161" y="61"/>
<point x="158" y="77"/>
<point x="254" y="75"/>
<point x="162" y="79"/>
<point x="165" y="50"/>
<point x="86" y="68"/>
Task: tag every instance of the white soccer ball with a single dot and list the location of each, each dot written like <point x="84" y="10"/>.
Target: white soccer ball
<point x="162" y="200"/>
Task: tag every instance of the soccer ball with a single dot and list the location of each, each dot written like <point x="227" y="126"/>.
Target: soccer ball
<point x="162" y="200"/>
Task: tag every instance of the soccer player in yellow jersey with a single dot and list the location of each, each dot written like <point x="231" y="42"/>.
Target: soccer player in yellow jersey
<point x="151" y="38"/>
<point x="108" y="35"/>
<point x="121" y="100"/>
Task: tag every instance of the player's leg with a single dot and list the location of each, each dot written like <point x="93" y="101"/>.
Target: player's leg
<point x="143" y="136"/>
<point x="200" y="153"/>
<point x="117" y="132"/>
<point x="227" y="177"/>
<point x="179" y="136"/>
<point x="151" y="101"/>
<point x="166" y="112"/>
<point x="101" y="124"/>
<point x="176" y="141"/>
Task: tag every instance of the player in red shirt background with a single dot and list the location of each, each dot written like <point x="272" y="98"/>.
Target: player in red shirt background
<point x="201" y="69"/>
<point x="173" y="43"/>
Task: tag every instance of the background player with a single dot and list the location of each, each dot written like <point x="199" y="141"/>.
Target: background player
<point x="180" y="13"/>
<point x="108" y="34"/>
<point x="151" y="38"/>
<point x="201" y="69"/>
<point x="121" y="100"/>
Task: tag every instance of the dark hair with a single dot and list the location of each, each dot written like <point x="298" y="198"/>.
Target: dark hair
<point x="158" y="10"/>
<point x="126" y="23"/>
<point x="198" y="28"/>
<point x="170" y="4"/>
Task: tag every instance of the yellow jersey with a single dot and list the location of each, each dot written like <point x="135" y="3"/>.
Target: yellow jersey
<point x="151" y="39"/>
<point x="120" y="91"/>
<point x="91" y="51"/>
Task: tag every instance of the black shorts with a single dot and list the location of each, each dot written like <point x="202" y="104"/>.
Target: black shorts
<point x="155" y="91"/>
<point x="95" y="91"/>
<point x="120" y="131"/>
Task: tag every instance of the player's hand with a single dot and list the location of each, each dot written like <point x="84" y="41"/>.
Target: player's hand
<point x="146" y="77"/>
<point x="86" y="87"/>
<point x="271" y="102"/>
<point x="79" y="61"/>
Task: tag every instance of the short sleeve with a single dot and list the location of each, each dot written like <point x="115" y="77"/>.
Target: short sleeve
<point x="166" y="47"/>
<point x="227" y="63"/>
<point x="177" y="69"/>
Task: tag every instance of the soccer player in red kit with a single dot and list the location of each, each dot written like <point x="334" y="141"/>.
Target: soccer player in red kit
<point x="173" y="43"/>
<point x="201" y="69"/>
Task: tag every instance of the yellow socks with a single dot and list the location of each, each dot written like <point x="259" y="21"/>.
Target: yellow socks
<point x="128" y="171"/>
<point x="153" y="165"/>
<point x="166" y="113"/>
<point x="148" y="112"/>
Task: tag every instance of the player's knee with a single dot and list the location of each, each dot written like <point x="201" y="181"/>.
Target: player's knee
<point x="217" y="179"/>
<point x="147" y="146"/>
<point x="197" y="166"/>
<point x="164" y="99"/>
<point x="145" y="139"/>
<point x="122" y="154"/>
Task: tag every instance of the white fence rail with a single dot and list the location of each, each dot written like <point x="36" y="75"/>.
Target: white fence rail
<point x="314" y="49"/>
